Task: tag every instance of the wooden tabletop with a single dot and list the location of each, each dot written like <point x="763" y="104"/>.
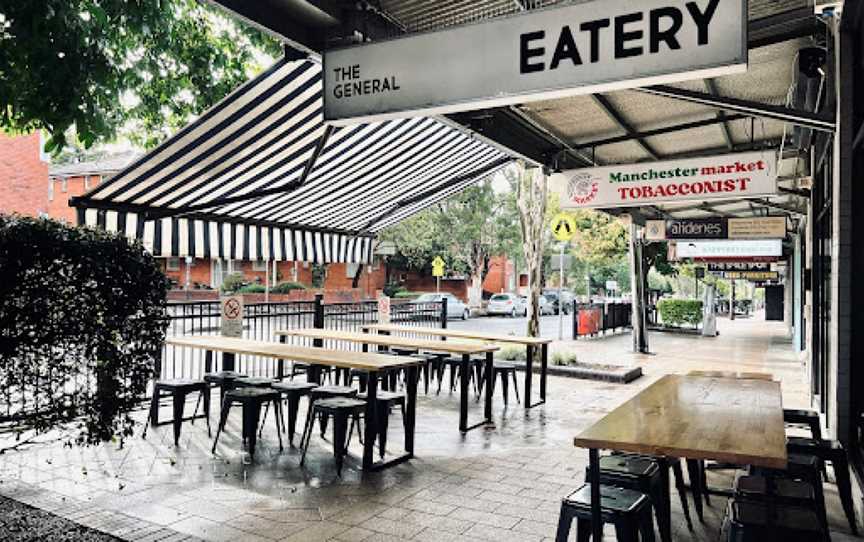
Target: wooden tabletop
<point x="476" y="335"/>
<point x="732" y="374"/>
<point x="449" y="347"/>
<point x="321" y="356"/>
<point x="724" y="419"/>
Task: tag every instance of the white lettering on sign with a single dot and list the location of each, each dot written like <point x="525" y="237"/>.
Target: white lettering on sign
<point x="725" y="249"/>
<point x="566" y="50"/>
<point x="715" y="177"/>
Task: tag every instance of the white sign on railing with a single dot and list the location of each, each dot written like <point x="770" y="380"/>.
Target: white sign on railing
<point x="540" y="54"/>
<point x="231" y="312"/>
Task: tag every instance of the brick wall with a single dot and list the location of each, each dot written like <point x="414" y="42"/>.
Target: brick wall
<point x="24" y="176"/>
<point x="64" y="188"/>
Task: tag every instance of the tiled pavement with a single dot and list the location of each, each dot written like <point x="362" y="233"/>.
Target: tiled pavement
<point x="498" y="484"/>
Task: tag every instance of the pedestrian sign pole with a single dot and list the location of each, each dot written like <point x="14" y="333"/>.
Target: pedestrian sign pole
<point x="563" y="228"/>
<point x="438" y="272"/>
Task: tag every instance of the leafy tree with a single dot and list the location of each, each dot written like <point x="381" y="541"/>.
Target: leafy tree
<point x="99" y="65"/>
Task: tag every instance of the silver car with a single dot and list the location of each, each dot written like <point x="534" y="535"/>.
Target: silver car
<point x="545" y="306"/>
<point x="507" y="304"/>
<point x="455" y="307"/>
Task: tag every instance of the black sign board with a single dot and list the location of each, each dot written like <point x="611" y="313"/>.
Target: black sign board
<point x="701" y="228"/>
<point x="700" y="272"/>
<point x="719" y="267"/>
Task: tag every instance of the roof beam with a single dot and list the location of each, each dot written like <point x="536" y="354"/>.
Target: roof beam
<point x="613" y="114"/>
<point x="815" y="121"/>
<point x="711" y="85"/>
<point x="659" y="131"/>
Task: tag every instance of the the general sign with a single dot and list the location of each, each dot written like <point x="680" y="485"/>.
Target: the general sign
<point x="729" y="176"/>
<point x="231" y="312"/>
<point x="541" y="54"/>
<point x="729" y="249"/>
<point x="765" y="227"/>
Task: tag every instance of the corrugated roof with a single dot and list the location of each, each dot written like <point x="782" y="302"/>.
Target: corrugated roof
<point x="103" y="166"/>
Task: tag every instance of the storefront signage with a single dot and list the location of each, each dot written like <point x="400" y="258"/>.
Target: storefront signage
<point x="583" y="48"/>
<point x="231" y="316"/>
<point x="749" y="275"/>
<point x="720" y="267"/>
<point x="766" y="227"/>
<point x="729" y="176"/>
<point x="729" y="249"/>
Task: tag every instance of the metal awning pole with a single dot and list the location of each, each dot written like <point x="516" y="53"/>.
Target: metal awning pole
<point x="267" y="281"/>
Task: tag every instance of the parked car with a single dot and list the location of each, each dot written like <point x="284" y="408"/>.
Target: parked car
<point x="552" y="296"/>
<point x="508" y="305"/>
<point x="546" y="306"/>
<point x="455" y="307"/>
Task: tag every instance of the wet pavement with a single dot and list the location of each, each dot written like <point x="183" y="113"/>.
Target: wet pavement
<point x="497" y="483"/>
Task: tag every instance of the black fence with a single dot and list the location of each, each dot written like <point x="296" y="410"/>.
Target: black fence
<point x="261" y="321"/>
<point x="594" y="319"/>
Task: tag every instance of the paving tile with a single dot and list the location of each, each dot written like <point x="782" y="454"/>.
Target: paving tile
<point x="317" y="531"/>
<point x="396" y="528"/>
<point x="354" y="534"/>
<point x="434" y="535"/>
<point x="213" y="531"/>
<point x="495" y="534"/>
<point x="542" y="529"/>
<point x="486" y="518"/>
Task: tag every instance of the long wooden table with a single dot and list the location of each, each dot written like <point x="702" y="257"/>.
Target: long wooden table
<point x="373" y="364"/>
<point x="530" y="344"/>
<point x="465" y="350"/>
<point x="737" y="421"/>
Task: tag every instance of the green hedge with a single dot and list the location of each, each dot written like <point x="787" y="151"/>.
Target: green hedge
<point x="252" y="289"/>
<point x="82" y="321"/>
<point x="676" y="312"/>
<point x="404" y="294"/>
<point x="286" y="287"/>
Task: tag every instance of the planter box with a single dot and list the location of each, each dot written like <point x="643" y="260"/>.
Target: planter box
<point x="623" y="376"/>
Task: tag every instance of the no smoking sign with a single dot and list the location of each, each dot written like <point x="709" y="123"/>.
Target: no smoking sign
<point x="232" y="316"/>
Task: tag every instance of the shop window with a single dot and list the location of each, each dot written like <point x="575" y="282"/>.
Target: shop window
<point x="351" y="270"/>
<point x="172" y="264"/>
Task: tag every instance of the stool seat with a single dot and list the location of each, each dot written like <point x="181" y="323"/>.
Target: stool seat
<point x="630" y="465"/>
<point x="628" y="510"/>
<point x="749" y="521"/>
<point x="336" y="403"/>
<point x="241" y="394"/>
<point x="384" y="395"/>
<point x="613" y="499"/>
<point x="503" y="366"/>
<point x="221" y="376"/>
<point x="783" y="488"/>
<point x="334" y="390"/>
<point x="179" y="383"/>
<point x="403" y="351"/>
<point x="254" y="382"/>
<point x="291" y="386"/>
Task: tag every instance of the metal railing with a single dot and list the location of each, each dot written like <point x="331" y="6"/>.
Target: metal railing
<point x="594" y="319"/>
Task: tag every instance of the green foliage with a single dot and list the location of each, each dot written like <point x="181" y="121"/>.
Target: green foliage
<point x="564" y="359"/>
<point x="392" y="289"/>
<point x="252" y="289"/>
<point x="148" y="65"/>
<point x="233" y="283"/>
<point x="286" y="287"/>
<point x="82" y="316"/>
<point x="512" y="353"/>
<point x="405" y="294"/>
<point x="675" y="312"/>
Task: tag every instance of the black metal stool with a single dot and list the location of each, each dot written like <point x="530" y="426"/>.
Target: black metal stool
<point x="254" y="382"/>
<point x="323" y="392"/>
<point x="224" y="380"/>
<point x="475" y="368"/>
<point x="646" y="475"/>
<point x="340" y="408"/>
<point x="251" y="399"/>
<point x="628" y="510"/>
<point x="385" y="401"/>
<point x="784" y="491"/>
<point x="429" y="368"/>
<point x="178" y="390"/>
<point x="503" y="371"/>
<point x="810" y="418"/>
<point x="832" y="451"/>
<point x="292" y="392"/>
<point x="749" y="522"/>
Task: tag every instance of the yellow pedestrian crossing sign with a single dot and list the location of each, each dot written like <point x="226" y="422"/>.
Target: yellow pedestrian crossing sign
<point x="438" y="267"/>
<point x="563" y="227"/>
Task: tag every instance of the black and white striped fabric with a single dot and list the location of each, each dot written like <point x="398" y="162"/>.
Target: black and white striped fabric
<point x="258" y="141"/>
<point x="232" y="240"/>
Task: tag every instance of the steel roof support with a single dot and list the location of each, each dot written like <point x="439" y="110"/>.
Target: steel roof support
<point x="659" y="131"/>
<point x="613" y="114"/>
<point x="711" y="85"/>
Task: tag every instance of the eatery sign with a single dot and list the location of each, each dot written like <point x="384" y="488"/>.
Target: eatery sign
<point x="766" y="227"/>
<point x="541" y="54"/>
<point x="729" y="176"/>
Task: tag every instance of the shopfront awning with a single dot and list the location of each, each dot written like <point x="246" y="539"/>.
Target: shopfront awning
<point x="260" y="176"/>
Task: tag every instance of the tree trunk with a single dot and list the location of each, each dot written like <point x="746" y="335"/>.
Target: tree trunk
<point x="531" y="199"/>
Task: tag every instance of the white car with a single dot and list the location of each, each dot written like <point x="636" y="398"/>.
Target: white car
<point x="546" y="306"/>
<point x="455" y="307"/>
<point x="507" y="304"/>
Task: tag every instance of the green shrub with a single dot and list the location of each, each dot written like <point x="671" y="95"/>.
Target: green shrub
<point x="82" y="321"/>
<point x="512" y="353"/>
<point x="405" y="294"/>
<point x="676" y="312"/>
<point x="233" y="282"/>
<point x="252" y="289"/>
<point x="286" y="287"/>
<point x="391" y="289"/>
<point x="564" y="358"/>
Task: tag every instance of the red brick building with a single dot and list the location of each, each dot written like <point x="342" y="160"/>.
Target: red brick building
<point x="24" y="175"/>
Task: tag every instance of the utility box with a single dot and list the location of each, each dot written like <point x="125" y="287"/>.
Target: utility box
<point x="774" y="300"/>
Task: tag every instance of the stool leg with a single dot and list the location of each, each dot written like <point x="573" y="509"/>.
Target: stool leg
<point x="154" y="406"/>
<point x="505" y="385"/>
<point x="178" y="400"/>
<point x="307" y="424"/>
<point x="515" y="387"/>
<point x="322" y="423"/>
<point x="195" y="412"/>
<point x="426" y="368"/>
<point x="660" y="499"/>
<point x="844" y="487"/>
<point x="583" y="530"/>
<point x="277" y="414"/>
<point x="223" y="417"/>
<point x="695" y="485"/>
<point x="453" y="370"/>
<point x="704" y="482"/>
<point x="682" y="490"/>
<point x="293" y="407"/>
<point x="626" y="532"/>
<point x="304" y="439"/>
<point x="815" y="429"/>
<point x="264" y="420"/>
<point x="206" y="394"/>
<point x="565" y="519"/>
<point x="646" y="526"/>
<point x="340" y="428"/>
<point x="254" y="415"/>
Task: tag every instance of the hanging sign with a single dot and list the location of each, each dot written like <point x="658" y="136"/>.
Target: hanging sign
<point x="729" y="176"/>
<point x="729" y="249"/>
<point x="749" y="275"/>
<point x="720" y="267"/>
<point x="765" y="227"/>
<point x="541" y="54"/>
<point x="231" y="312"/>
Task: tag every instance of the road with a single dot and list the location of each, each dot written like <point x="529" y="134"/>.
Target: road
<point x="516" y="326"/>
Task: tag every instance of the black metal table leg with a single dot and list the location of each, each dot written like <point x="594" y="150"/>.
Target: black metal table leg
<point x="489" y="376"/>
<point x="596" y="517"/>
<point x="411" y="409"/>
<point x="695" y="476"/>
<point x="370" y="429"/>
<point x="529" y="373"/>
<point x="544" y="362"/>
<point x="228" y="361"/>
<point x="463" y="393"/>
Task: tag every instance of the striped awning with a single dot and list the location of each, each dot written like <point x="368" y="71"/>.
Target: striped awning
<point x="260" y="174"/>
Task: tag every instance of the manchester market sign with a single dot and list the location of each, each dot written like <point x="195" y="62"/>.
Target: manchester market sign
<point x="767" y="227"/>
<point x="584" y="48"/>
<point x="730" y="176"/>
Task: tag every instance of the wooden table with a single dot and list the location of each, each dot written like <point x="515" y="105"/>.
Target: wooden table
<point x="372" y="363"/>
<point x="530" y="344"/>
<point x="465" y="350"/>
<point x="738" y="421"/>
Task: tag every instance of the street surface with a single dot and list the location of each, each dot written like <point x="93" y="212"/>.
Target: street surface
<point x="515" y="326"/>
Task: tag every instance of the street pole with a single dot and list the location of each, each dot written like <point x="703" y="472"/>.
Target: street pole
<point x="560" y="288"/>
<point x="732" y="302"/>
<point x="437" y="285"/>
